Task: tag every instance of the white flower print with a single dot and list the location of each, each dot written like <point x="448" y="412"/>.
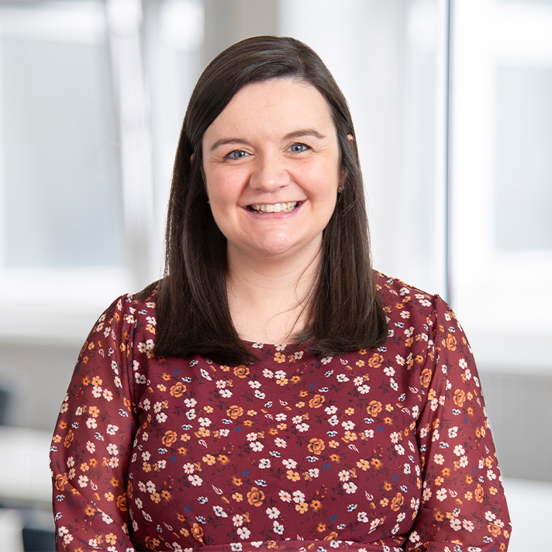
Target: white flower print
<point x="284" y="496"/>
<point x="273" y="513"/>
<point x="189" y="468"/>
<point x="279" y="529"/>
<point x="350" y="487"/>
<point x="459" y="450"/>
<point x="219" y="511"/>
<point x="83" y="481"/>
<point x="244" y="533"/>
<point x="237" y="520"/>
<point x="455" y="524"/>
<point x="195" y="480"/>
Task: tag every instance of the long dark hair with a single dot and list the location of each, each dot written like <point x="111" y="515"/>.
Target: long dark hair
<point x="193" y="316"/>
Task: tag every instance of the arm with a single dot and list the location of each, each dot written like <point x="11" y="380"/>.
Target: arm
<point x="463" y="500"/>
<point x="93" y="439"/>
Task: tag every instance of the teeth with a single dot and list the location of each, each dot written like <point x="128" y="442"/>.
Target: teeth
<point x="274" y="207"/>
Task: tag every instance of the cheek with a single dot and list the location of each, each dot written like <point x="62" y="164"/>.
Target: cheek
<point x="224" y="187"/>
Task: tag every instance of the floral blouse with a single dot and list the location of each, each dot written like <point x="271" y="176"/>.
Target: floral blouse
<point x="384" y="449"/>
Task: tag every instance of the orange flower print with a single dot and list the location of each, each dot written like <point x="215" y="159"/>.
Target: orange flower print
<point x="69" y="438"/>
<point x="152" y="544"/>
<point x="425" y="377"/>
<point x="397" y="502"/>
<point x="494" y="529"/>
<point x="279" y="358"/>
<point x="122" y="502"/>
<point x="61" y="481"/>
<point x="459" y="397"/>
<point x="451" y="342"/>
<point x="169" y="438"/>
<point x="316" y="446"/>
<point x="479" y="493"/>
<point x="317" y="401"/>
<point x="316" y="505"/>
<point x="241" y="371"/>
<point x="255" y="497"/>
<point x="234" y="412"/>
<point x="375" y="361"/>
<point x="197" y="532"/>
<point x="177" y="390"/>
<point x="374" y="408"/>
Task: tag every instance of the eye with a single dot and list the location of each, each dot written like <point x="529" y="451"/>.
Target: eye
<point x="236" y="154"/>
<point x="298" y="148"/>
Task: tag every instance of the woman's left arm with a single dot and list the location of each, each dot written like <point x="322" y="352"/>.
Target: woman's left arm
<point x="463" y="507"/>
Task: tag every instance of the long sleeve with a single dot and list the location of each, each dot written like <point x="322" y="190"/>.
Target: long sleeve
<point x="463" y="505"/>
<point x="92" y="441"/>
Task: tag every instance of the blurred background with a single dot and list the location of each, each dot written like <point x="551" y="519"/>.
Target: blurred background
<point x="452" y="102"/>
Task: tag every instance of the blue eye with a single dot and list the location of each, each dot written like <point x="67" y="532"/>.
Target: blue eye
<point x="298" y="148"/>
<point x="236" y="154"/>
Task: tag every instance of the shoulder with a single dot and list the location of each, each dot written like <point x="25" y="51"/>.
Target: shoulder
<point x="411" y="310"/>
<point x="129" y="313"/>
<point x="399" y="297"/>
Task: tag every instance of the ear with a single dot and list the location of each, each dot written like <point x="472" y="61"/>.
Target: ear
<point x="351" y="139"/>
<point x="191" y="159"/>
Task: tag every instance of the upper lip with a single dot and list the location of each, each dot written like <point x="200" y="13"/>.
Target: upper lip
<point x="274" y="202"/>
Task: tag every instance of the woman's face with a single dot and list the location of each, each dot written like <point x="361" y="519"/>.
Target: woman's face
<point x="272" y="168"/>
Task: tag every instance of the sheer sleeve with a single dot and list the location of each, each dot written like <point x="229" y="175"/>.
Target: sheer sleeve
<point x="463" y="506"/>
<point x="93" y="438"/>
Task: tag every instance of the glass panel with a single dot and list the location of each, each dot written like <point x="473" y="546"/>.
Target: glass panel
<point x="61" y="169"/>
<point x="523" y="161"/>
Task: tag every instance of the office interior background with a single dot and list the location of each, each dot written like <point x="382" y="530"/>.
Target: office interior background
<point x="453" y="112"/>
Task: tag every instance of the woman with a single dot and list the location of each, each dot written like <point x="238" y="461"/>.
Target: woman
<point x="186" y="427"/>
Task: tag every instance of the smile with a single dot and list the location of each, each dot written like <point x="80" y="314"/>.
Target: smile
<point x="274" y="207"/>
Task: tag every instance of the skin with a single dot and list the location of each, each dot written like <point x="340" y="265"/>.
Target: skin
<point x="275" y="142"/>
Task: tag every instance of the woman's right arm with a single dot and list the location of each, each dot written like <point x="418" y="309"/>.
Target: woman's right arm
<point x="93" y="439"/>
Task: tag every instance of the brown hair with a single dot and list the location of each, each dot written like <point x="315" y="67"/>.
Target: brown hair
<point x="193" y="316"/>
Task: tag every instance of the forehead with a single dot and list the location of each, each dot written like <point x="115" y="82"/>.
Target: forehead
<point x="276" y="106"/>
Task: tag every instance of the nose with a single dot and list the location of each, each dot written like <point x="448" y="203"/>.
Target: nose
<point x="269" y="173"/>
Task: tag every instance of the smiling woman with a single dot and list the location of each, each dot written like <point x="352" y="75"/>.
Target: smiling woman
<point x="272" y="391"/>
<point x="267" y="124"/>
<point x="273" y="197"/>
<point x="275" y="194"/>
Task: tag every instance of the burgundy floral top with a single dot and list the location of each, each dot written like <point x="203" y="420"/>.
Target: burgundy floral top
<point x="383" y="449"/>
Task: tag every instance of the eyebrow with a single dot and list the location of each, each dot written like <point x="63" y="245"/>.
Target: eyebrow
<point x="294" y="134"/>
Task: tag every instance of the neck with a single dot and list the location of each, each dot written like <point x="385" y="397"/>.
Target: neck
<point x="269" y="299"/>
